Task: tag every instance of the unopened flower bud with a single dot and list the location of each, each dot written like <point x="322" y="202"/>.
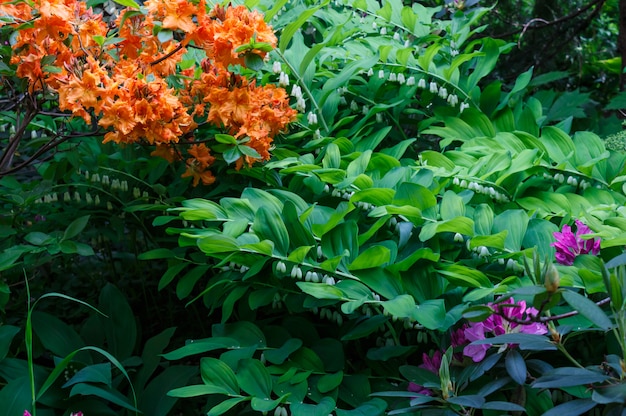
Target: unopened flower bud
<point x="552" y="279"/>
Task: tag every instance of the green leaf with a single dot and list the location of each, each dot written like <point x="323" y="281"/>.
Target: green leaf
<point x="374" y="256"/>
<point x="120" y="327"/>
<point x="452" y="206"/>
<point x="323" y="408"/>
<point x="170" y="274"/>
<point x="196" y="390"/>
<point x="568" y="376"/>
<point x="186" y="283"/>
<point x="515" y="222"/>
<point x="245" y="333"/>
<point x="157" y="253"/>
<point x="254" y="378"/>
<point x="15" y="397"/>
<point x="128" y="3"/>
<point x="290" y="30"/>
<point x="365" y="327"/>
<point x="320" y="290"/>
<point x="516" y="366"/>
<point x="154" y="399"/>
<point x="75" y="227"/>
<point x="572" y="408"/>
<point x="97" y="373"/>
<point x="269" y="225"/>
<point x="329" y="382"/>
<point x="402" y="306"/>
<point x="151" y="356"/>
<point x="464" y="276"/>
<point x="7" y="333"/>
<point x="226" y="405"/>
<point x="216" y="373"/>
<point x="279" y="355"/>
<point x="56" y="336"/>
<point x="201" y="346"/>
<point x="110" y="395"/>
<point x="588" y="309"/>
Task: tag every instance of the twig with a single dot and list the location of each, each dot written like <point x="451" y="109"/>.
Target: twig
<point x="562" y="19"/>
<point x="544" y="319"/>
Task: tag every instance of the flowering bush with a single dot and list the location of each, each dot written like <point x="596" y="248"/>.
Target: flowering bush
<point x="155" y="76"/>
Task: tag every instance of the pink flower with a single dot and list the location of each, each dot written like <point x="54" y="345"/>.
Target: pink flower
<point x="432" y="364"/>
<point x="501" y="323"/>
<point x="475" y="332"/>
<point x="416" y="388"/>
<point x="568" y="245"/>
<point x="27" y="413"/>
<point x="77" y="414"/>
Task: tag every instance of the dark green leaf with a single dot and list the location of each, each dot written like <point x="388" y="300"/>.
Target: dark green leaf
<point x="588" y="309"/>
<point x="216" y="373"/>
<point x="254" y="378"/>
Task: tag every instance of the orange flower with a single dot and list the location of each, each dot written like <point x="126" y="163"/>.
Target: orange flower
<point x="199" y="173"/>
<point x="166" y="152"/>
<point x="202" y="154"/>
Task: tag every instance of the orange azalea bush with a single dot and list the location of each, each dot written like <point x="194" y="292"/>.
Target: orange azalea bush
<point x="119" y="75"/>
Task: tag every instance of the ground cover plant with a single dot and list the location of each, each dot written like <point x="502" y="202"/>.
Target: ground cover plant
<point x="299" y="207"/>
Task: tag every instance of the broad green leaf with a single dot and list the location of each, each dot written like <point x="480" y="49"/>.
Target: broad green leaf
<point x="572" y="408"/>
<point x="323" y="408"/>
<point x="56" y="336"/>
<point x="329" y="382"/>
<point x="7" y="333"/>
<point x="120" y="328"/>
<point x="154" y="399"/>
<point x="127" y="3"/>
<point x="226" y="405"/>
<point x="110" y="395"/>
<point x="588" y="309"/>
<point x="216" y="373"/>
<point x="75" y="227"/>
<point x="464" y="276"/>
<point x="568" y="376"/>
<point x="291" y="29"/>
<point x="254" y="378"/>
<point x="279" y="355"/>
<point x="374" y="256"/>
<point x="196" y="390"/>
<point x="515" y="366"/>
<point x="200" y="347"/>
<point x="320" y="290"/>
<point x="452" y="206"/>
<point x="402" y="306"/>
<point x="97" y="373"/>
<point x="268" y="225"/>
<point x="515" y="222"/>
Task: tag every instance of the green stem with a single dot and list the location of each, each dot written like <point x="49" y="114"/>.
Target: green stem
<point x="301" y="82"/>
<point x="561" y="348"/>
<point x="29" y="350"/>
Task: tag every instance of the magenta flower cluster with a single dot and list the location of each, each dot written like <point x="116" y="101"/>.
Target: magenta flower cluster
<point x="569" y="245"/>
<point x="501" y="323"/>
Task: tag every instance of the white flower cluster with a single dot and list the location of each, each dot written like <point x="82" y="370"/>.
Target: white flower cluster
<point x="481" y="189"/>
<point x="442" y="92"/>
<point x="309" y="276"/>
<point x="326" y="313"/>
<point x="570" y="180"/>
<point x="296" y="92"/>
<point x="232" y="266"/>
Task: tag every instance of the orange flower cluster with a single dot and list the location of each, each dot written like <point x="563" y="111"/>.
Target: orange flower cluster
<point x="122" y="76"/>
